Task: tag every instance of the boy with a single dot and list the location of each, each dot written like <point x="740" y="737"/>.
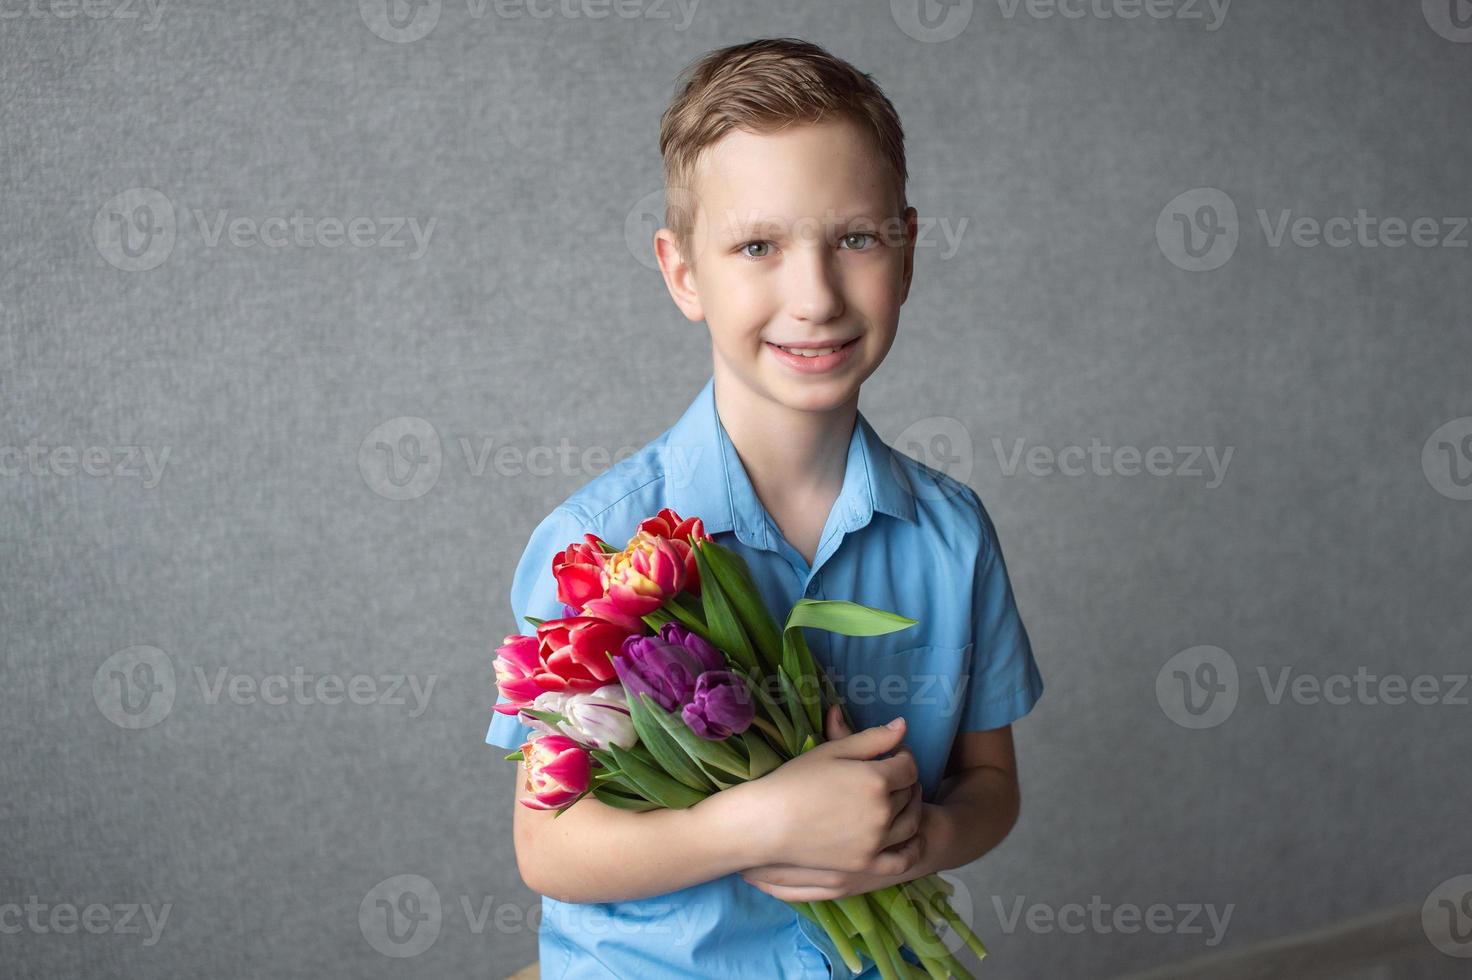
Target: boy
<point x="799" y="239"/>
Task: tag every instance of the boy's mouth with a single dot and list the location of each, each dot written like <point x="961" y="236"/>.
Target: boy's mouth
<point x="813" y="352"/>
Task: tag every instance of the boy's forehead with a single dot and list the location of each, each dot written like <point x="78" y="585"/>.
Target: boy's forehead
<point x="747" y="178"/>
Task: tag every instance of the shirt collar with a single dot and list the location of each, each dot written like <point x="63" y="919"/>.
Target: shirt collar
<point x="705" y="478"/>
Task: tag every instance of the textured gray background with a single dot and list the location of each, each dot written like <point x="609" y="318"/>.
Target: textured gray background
<point x="267" y="548"/>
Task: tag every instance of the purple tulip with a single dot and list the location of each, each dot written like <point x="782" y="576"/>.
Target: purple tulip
<point x="666" y="667"/>
<point x="721" y="706"/>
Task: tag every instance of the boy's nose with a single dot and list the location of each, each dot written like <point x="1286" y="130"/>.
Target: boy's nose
<point x="813" y="288"/>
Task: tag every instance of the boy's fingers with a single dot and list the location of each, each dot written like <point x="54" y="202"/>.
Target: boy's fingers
<point x="906" y="822"/>
<point x="899" y="771"/>
<point x="870" y="742"/>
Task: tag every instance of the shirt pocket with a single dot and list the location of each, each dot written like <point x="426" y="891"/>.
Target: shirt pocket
<point x="926" y="684"/>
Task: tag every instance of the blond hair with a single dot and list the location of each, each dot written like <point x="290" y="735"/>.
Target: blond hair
<point x="760" y="86"/>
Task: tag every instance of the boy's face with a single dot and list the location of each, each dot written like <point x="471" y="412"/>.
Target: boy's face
<point x="797" y="239"/>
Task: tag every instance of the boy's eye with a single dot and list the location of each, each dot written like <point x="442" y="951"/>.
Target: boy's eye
<point x="863" y="240"/>
<point x="760" y="245"/>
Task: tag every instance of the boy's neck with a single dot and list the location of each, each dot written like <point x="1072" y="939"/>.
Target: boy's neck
<point x="786" y="454"/>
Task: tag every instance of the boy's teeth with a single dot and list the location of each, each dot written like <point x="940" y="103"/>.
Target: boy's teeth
<point x="809" y="351"/>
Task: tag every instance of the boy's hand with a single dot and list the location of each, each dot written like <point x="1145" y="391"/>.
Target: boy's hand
<point x="842" y="821"/>
<point x="802" y="883"/>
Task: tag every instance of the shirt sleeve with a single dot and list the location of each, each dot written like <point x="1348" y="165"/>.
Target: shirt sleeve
<point x="1004" y="680"/>
<point x="534" y="593"/>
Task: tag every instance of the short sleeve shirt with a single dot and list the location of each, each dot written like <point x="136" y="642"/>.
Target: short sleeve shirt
<point x="901" y="536"/>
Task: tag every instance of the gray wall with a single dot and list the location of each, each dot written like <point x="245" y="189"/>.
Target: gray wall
<point x="274" y="544"/>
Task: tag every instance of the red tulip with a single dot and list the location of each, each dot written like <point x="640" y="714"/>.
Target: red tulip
<point x="578" y="570"/>
<point x="574" y="653"/>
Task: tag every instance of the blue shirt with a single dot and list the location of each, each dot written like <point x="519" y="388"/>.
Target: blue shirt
<point x="901" y="536"/>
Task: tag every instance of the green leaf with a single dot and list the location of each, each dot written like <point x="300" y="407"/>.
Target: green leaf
<point x="667" y="752"/>
<point x="714" y="755"/>
<point x="801" y="726"/>
<point x="725" y="630"/>
<point x="763" y="757"/>
<point x="736" y="582"/>
<point x="550" y="717"/>
<point x="534" y="620"/>
<point x="622" y="801"/>
<point x="514" y="755"/>
<point x="769" y="712"/>
<point x="654" y="784"/>
<point x="848" y="618"/>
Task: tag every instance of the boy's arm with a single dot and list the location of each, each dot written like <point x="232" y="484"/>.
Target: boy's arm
<point x="976" y="807"/>
<point x="593" y="852"/>
<point x="978" y="801"/>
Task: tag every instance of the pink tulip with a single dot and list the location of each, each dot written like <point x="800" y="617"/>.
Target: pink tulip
<point x="517" y="664"/>
<point x="558" y="770"/>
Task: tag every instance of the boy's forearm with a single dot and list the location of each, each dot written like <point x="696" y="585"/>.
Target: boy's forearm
<point x="975" y="811"/>
<point x="593" y="852"/>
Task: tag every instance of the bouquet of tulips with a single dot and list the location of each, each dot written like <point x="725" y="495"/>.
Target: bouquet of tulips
<point x="667" y="680"/>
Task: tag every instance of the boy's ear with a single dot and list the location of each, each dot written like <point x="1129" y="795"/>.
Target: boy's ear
<point x="679" y="276"/>
<point x="910" y="234"/>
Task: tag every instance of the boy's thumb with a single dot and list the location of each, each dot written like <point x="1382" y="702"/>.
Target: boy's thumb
<point x="873" y="741"/>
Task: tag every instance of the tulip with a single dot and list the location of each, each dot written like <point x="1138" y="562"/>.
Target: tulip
<point x="546" y="701"/>
<point x="682" y="532"/>
<point x="720" y="707"/>
<point x="666" y="666"/>
<point x="517" y="665"/>
<point x="558" y="771"/>
<point x="638" y="580"/>
<point x="578" y="570"/>
<point x="599" y="718"/>
<point x="574" y="653"/>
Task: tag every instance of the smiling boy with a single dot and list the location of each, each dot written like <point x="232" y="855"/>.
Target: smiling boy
<point x="796" y="250"/>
